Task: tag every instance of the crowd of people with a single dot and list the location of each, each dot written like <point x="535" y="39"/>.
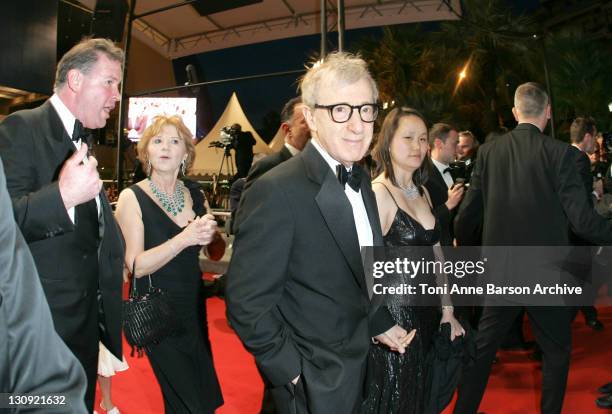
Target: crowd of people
<point x="297" y="294"/>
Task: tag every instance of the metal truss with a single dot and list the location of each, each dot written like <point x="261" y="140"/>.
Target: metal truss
<point x="294" y="24"/>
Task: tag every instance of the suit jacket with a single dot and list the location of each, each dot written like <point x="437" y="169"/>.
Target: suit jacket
<point x="33" y="358"/>
<point x="526" y="190"/>
<point x="438" y="191"/>
<point x="583" y="165"/>
<point x="83" y="287"/>
<point x="266" y="164"/>
<point x="296" y="292"/>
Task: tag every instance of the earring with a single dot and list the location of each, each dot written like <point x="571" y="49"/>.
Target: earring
<point x="183" y="166"/>
<point x="149" y="168"/>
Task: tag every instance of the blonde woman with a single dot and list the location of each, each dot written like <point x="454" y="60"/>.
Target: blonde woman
<point x="165" y="225"/>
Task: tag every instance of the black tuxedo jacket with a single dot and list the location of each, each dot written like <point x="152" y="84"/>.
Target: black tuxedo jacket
<point x="34" y="145"/>
<point x="526" y="190"/>
<point x="438" y="191"/>
<point x="266" y="164"/>
<point x="296" y="292"/>
<point x="583" y="165"/>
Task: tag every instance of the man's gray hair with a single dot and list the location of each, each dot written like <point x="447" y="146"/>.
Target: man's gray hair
<point x="83" y="56"/>
<point x="530" y="99"/>
<point x="341" y="68"/>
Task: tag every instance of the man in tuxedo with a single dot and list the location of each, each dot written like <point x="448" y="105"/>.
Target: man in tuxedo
<point x="296" y="292"/>
<point x="33" y="358"/>
<point x="297" y="134"/>
<point x="526" y="191"/>
<point x="582" y="136"/>
<point x="59" y="206"/>
<point x="445" y="194"/>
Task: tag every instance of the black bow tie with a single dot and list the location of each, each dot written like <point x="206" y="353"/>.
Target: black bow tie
<point x="80" y="132"/>
<point x="352" y="177"/>
<point x="446" y="170"/>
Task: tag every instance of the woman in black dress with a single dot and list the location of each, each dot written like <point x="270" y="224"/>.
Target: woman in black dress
<point x="165" y="225"/>
<point x="396" y="383"/>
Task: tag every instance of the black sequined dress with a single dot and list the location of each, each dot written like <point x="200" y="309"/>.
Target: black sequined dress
<point x="396" y="383"/>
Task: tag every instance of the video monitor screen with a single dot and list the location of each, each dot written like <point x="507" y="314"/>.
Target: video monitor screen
<point x="142" y="111"/>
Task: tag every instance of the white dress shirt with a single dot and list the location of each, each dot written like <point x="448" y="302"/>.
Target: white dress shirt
<point x="360" y="214"/>
<point x="448" y="178"/>
<point x="68" y="121"/>
<point x="293" y="150"/>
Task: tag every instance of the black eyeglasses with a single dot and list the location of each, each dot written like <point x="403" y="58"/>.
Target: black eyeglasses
<point x="342" y="112"/>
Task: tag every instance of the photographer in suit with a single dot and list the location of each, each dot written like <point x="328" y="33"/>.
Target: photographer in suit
<point x="243" y="144"/>
<point x="445" y="193"/>
<point x="582" y="136"/>
<point x="59" y="204"/>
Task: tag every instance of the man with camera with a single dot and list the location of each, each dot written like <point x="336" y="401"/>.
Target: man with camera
<point x="243" y="144"/>
<point x="444" y="191"/>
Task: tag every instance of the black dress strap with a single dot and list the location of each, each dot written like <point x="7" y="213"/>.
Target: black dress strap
<point x="139" y="193"/>
<point x="389" y="191"/>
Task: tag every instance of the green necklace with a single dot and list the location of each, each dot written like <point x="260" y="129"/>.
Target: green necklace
<point x="172" y="203"/>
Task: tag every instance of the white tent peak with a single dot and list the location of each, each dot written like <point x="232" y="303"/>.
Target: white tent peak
<point x="208" y="160"/>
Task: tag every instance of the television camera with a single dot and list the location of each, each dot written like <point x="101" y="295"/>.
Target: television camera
<point x="228" y="138"/>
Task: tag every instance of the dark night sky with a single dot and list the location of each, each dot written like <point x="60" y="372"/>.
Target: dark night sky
<point x="259" y="97"/>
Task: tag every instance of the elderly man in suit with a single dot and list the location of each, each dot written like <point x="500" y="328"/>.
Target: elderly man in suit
<point x="296" y="293"/>
<point x="297" y="134"/>
<point x="59" y="204"/>
<point x="526" y="191"/>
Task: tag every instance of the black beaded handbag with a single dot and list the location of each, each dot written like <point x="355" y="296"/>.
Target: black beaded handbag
<point x="148" y="318"/>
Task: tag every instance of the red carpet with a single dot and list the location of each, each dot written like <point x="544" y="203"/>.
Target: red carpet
<point x="511" y="388"/>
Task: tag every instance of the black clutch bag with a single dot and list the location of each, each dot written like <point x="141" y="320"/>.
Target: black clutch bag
<point x="147" y="318"/>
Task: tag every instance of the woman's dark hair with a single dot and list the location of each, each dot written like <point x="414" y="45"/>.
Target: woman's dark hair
<point x="382" y="152"/>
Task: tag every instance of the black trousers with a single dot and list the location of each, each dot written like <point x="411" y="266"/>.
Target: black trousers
<point x="290" y="399"/>
<point x="90" y="365"/>
<point x="551" y="327"/>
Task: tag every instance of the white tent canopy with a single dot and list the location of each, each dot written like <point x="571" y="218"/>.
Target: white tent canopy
<point x="278" y="141"/>
<point x="208" y="160"/>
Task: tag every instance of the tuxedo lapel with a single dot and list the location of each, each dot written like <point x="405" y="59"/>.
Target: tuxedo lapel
<point x="437" y="177"/>
<point x="338" y="215"/>
<point x="56" y="134"/>
<point x="336" y="211"/>
<point x="370" y="204"/>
